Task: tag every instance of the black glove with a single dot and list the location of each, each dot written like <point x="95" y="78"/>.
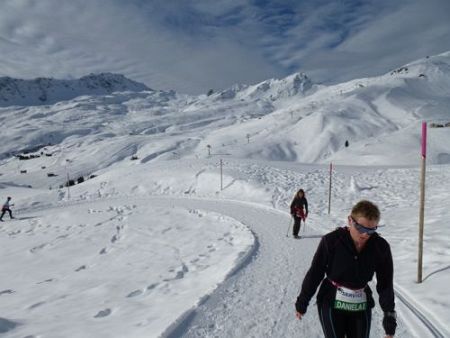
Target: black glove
<point x="299" y="307"/>
<point x="390" y="322"/>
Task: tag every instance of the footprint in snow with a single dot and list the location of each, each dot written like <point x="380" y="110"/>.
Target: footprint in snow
<point x="39" y="247"/>
<point x="103" y="313"/>
<point x="152" y="286"/>
<point x="83" y="267"/>
<point x="46" y="281"/>
<point x="179" y="274"/>
<point x="140" y="292"/>
<point x="165" y="230"/>
<point x="134" y="293"/>
<point x="36" y="305"/>
<point x="6" y="292"/>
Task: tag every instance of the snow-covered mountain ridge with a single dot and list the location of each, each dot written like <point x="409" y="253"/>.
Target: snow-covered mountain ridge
<point x="289" y="119"/>
<point x="273" y="89"/>
<point x="39" y="91"/>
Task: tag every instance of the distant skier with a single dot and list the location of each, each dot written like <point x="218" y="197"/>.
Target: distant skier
<point x="299" y="211"/>
<point x="345" y="261"/>
<point x="6" y="208"/>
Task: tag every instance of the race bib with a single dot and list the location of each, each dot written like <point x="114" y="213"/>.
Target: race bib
<point x="350" y="300"/>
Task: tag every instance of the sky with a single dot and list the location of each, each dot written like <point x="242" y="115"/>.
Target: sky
<point x="193" y="46"/>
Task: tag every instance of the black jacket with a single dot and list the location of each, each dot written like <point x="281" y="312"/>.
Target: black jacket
<point x="299" y="203"/>
<point x="337" y="258"/>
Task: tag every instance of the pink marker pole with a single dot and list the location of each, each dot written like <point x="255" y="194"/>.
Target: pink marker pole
<point x="424" y="139"/>
<point x="422" y="203"/>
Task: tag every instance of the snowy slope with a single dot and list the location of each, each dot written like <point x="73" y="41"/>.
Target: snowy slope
<point x="373" y="114"/>
<point x="287" y="120"/>
<point x="139" y="250"/>
<point x="161" y="245"/>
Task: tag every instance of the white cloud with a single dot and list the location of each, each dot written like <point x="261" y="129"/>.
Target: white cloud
<point x="377" y="43"/>
<point x="47" y="39"/>
<point x="192" y="46"/>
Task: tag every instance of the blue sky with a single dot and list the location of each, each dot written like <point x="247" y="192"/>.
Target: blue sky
<point x="192" y="46"/>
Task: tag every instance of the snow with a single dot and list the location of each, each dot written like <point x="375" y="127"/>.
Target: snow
<point x="49" y="90"/>
<point x="163" y="246"/>
<point x="151" y="261"/>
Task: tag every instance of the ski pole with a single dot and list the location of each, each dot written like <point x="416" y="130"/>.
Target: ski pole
<point x="290" y="223"/>
<point x="304" y="225"/>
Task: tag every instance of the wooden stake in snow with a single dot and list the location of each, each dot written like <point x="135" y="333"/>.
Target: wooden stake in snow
<point x="422" y="201"/>
<point x="329" y="190"/>
<point x="221" y="179"/>
<point x="68" y="183"/>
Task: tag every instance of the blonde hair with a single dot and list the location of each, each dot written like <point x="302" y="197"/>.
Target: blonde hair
<point x="367" y="210"/>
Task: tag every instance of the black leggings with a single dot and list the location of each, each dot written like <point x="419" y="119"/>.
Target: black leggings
<point x="344" y="324"/>
<point x="297" y="224"/>
<point x="4" y="212"/>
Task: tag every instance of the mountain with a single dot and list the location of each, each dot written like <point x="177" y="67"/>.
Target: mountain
<point x="273" y="89"/>
<point x="378" y="118"/>
<point x="369" y="121"/>
<point x="17" y="92"/>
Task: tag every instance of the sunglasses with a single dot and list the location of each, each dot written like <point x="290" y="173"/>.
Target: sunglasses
<point x="362" y="229"/>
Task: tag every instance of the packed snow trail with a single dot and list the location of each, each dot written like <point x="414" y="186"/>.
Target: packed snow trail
<point x="257" y="299"/>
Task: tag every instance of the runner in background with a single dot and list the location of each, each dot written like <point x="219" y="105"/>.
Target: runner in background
<point x="299" y="211"/>
<point x="5" y="208"/>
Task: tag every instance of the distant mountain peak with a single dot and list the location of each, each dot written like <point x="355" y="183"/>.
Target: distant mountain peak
<point x="44" y="90"/>
<point x="298" y="83"/>
<point x="272" y="89"/>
